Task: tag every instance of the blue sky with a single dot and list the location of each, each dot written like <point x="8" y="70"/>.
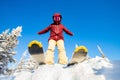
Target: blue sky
<point x="93" y="22"/>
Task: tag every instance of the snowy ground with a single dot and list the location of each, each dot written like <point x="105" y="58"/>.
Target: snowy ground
<point x="113" y="73"/>
<point x="91" y="69"/>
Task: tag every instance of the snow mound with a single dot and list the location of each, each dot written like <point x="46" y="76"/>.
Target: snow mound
<point x="88" y="70"/>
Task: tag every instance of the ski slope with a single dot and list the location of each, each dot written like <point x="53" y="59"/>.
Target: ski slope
<point x="91" y="69"/>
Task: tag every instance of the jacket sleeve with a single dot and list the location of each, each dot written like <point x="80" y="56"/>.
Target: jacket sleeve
<point x="67" y="31"/>
<point x="45" y="30"/>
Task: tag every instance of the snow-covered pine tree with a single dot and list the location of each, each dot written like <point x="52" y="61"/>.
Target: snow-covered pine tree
<point x="8" y="42"/>
<point x="26" y="63"/>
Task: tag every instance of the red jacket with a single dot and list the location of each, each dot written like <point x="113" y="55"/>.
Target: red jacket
<point x="56" y="31"/>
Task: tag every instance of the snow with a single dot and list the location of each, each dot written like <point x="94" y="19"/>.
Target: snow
<point x="24" y="75"/>
<point x="87" y="70"/>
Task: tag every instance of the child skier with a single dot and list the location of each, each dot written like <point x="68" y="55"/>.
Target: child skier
<point x="56" y="39"/>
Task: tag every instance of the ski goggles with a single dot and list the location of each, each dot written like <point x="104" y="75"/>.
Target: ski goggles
<point x="57" y="18"/>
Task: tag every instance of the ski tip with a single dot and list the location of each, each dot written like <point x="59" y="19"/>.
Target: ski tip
<point x="81" y="47"/>
<point x="35" y="42"/>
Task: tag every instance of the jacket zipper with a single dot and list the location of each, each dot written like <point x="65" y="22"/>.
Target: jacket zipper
<point x="57" y="30"/>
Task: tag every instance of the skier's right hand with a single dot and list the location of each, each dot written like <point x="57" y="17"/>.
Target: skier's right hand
<point x="38" y="33"/>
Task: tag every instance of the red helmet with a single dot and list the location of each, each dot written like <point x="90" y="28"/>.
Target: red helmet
<point x="57" y="14"/>
<point x="57" y="18"/>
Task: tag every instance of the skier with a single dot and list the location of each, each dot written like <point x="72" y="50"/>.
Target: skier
<point x="56" y="39"/>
